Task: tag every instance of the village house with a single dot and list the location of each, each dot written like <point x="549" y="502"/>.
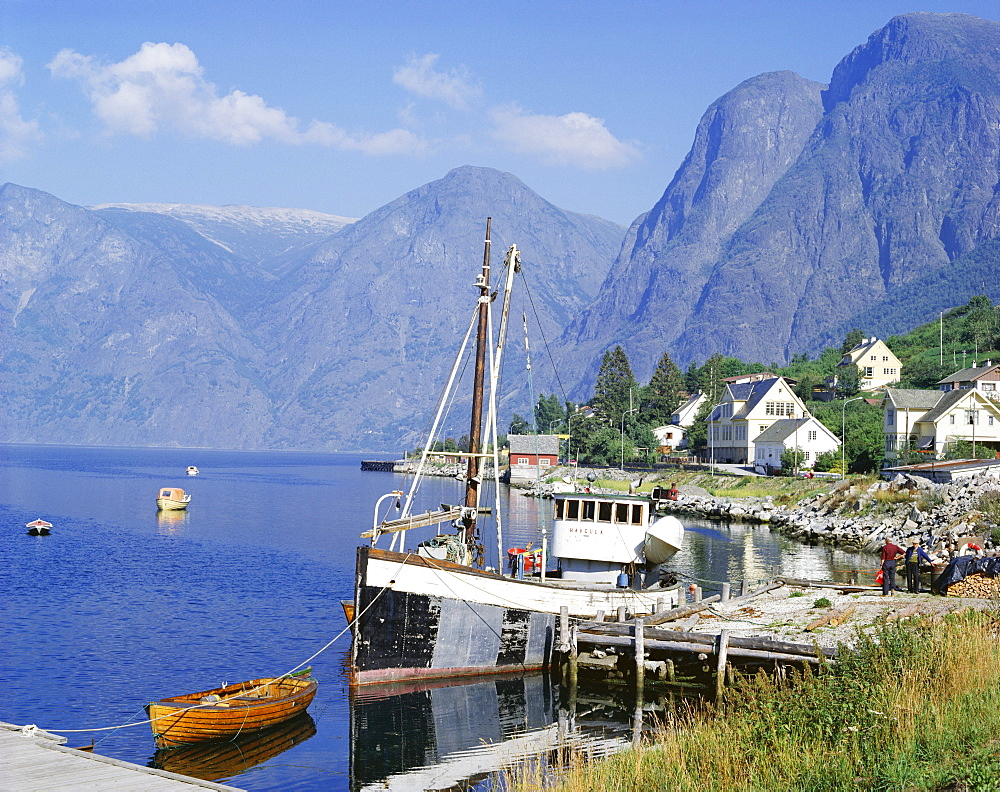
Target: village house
<point x="931" y="422"/>
<point x="670" y="438"/>
<point x="806" y="434"/>
<point x="745" y="412"/>
<point x="684" y="416"/>
<point x="877" y="365"/>
<point x="531" y="456"/>
<point x="983" y="378"/>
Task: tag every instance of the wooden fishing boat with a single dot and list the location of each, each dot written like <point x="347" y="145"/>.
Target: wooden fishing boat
<point x="429" y="613"/>
<point x="227" y="711"/>
<point x="172" y="499"/>
<point x="38" y="527"/>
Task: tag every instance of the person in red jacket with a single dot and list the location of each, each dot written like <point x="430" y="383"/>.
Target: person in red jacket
<point x="891" y="553"/>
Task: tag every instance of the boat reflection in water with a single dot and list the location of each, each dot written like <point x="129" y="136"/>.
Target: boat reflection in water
<point x="171" y="522"/>
<point x="427" y="735"/>
<point x="220" y="759"/>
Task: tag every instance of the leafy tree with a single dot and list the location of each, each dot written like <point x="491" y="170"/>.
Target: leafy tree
<point x="791" y="458"/>
<point x="697" y="434"/>
<point x="963" y="449"/>
<point x="848" y="381"/>
<point x="980" y="322"/>
<point x="662" y="396"/>
<point x="519" y="425"/>
<point x="549" y="411"/>
<point x="852" y="339"/>
<point x="828" y="460"/>
<point x="615" y="383"/>
<point x="923" y="372"/>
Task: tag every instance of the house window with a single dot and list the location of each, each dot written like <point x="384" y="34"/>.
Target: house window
<point x="951" y="418"/>
<point x="869" y="371"/>
<point x="988" y="386"/>
<point x="972" y="417"/>
<point x="522" y="460"/>
<point x="885" y="357"/>
<point x="890" y="416"/>
<point x="812" y="434"/>
<point x="991" y="420"/>
<point x="545" y="462"/>
<point x="874" y="357"/>
<point x="763" y="428"/>
<point x="805" y="456"/>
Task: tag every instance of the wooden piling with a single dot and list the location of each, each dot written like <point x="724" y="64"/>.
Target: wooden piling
<point x="725" y="592"/>
<point x="745" y="588"/>
<point x="722" y="649"/>
<point x="564" y="642"/>
<point x="659" y="604"/>
<point x="697" y="593"/>
<point x="671" y="671"/>
<point x="622" y="610"/>
<point x="574" y="657"/>
<point x="639" y="647"/>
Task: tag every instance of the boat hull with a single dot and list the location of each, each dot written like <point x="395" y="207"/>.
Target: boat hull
<point x="421" y="618"/>
<point x="165" y="504"/>
<point x="179" y="720"/>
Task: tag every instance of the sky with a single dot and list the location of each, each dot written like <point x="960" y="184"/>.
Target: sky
<point x="342" y="107"/>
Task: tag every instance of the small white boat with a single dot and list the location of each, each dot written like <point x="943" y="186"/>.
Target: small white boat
<point x="38" y="527"/>
<point x="172" y="499"/>
<point x="192" y="470"/>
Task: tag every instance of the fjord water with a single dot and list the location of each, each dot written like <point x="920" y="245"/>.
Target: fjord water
<point x="122" y="605"/>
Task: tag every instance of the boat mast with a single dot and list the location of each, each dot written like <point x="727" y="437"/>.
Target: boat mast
<point x="476" y="426"/>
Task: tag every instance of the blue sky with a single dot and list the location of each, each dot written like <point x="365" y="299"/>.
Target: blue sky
<point x="342" y="107"/>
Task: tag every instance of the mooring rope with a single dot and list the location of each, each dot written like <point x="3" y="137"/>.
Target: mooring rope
<point x="30" y="729"/>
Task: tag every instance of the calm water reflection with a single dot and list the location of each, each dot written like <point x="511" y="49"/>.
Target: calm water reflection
<point x="121" y="605"/>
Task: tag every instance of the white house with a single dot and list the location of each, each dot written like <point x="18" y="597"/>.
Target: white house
<point x="932" y="422"/>
<point x="877" y="365"/>
<point x="985" y="378"/>
<point x="670" y="437"/>
<point x="747" y="410"/>
<point x="684" y="416"/>
<point x="807" y="434"/>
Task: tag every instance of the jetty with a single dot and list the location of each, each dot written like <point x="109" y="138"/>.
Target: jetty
<point x="38" y="761"/>
<point x="378" y="465"/>
<point x="703" y="644"/>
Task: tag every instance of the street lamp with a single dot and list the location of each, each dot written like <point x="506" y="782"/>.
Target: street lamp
<point x="634" y="409"/>
<point x="843" y="435"/>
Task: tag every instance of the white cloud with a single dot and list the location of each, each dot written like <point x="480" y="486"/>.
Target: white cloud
<point x="573" y="139"/>
<point x="455" y="88"/>
<point x="163" y="87"/>
<point x="15" y="133"/>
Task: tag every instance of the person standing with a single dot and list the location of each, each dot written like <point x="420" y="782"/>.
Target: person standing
<point x="891" y="553"/>
<point x="915" y="554"/>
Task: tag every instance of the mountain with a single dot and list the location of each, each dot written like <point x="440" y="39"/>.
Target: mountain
<point x="112" y="340"/>
<point x="259" y="234"/>
<point x="373" y="318"/>
<point x="135" y="328"/>
<point x="894" y="180"/>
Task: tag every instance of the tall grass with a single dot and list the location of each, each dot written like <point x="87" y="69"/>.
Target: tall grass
<point x="914" y="708"/>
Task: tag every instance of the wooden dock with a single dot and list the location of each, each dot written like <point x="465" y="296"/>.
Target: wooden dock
<point x="33" y="760"/>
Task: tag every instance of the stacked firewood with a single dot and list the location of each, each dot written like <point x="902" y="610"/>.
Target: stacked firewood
<point x="976" y="585"/>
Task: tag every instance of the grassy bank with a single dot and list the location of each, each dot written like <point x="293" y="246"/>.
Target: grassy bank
<point x="783" y="489"/>
<point x="916" y="709"/>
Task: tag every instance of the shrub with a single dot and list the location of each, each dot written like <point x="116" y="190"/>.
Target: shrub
<point x="822" y="602"/>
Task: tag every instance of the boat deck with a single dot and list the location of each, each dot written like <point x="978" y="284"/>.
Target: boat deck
<point x="40" y="762"/>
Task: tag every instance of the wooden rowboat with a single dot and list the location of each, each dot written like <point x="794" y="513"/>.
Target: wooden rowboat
<point x="227" y="711"/>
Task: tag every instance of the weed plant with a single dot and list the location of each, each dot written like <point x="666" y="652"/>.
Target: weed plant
<point x="913" y="707"/>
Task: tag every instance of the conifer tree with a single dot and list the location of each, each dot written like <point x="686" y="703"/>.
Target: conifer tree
<point x="662" y="395"/>
<point x="614" y="383"/>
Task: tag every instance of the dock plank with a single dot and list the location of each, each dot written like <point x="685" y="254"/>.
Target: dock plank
<point x="39" y="762"/>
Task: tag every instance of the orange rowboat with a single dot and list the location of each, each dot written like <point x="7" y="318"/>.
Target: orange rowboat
<point x="225" y="712"/>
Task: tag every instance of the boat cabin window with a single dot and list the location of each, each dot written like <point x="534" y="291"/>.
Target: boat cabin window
<point x="165" y="493"/>
<point x="588" y="510"/>
<point x="559" y="509"/>
<point x="604" y="511"/>
<point x="573" y="510"/>
<point x="637" y="514"/>
<point x="621" y="512"/>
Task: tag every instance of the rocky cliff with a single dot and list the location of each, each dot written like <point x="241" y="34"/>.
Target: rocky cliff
<point x="891" y="178"/>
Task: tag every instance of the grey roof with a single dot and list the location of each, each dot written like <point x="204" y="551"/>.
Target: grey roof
<point x="534" y="444"/>
<point x="946" y="402"/>
<point x="751" y="393"/>
<point x="913" y="399"/>
<point x="782" y="429"/>
<point x="969" y="374"/>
